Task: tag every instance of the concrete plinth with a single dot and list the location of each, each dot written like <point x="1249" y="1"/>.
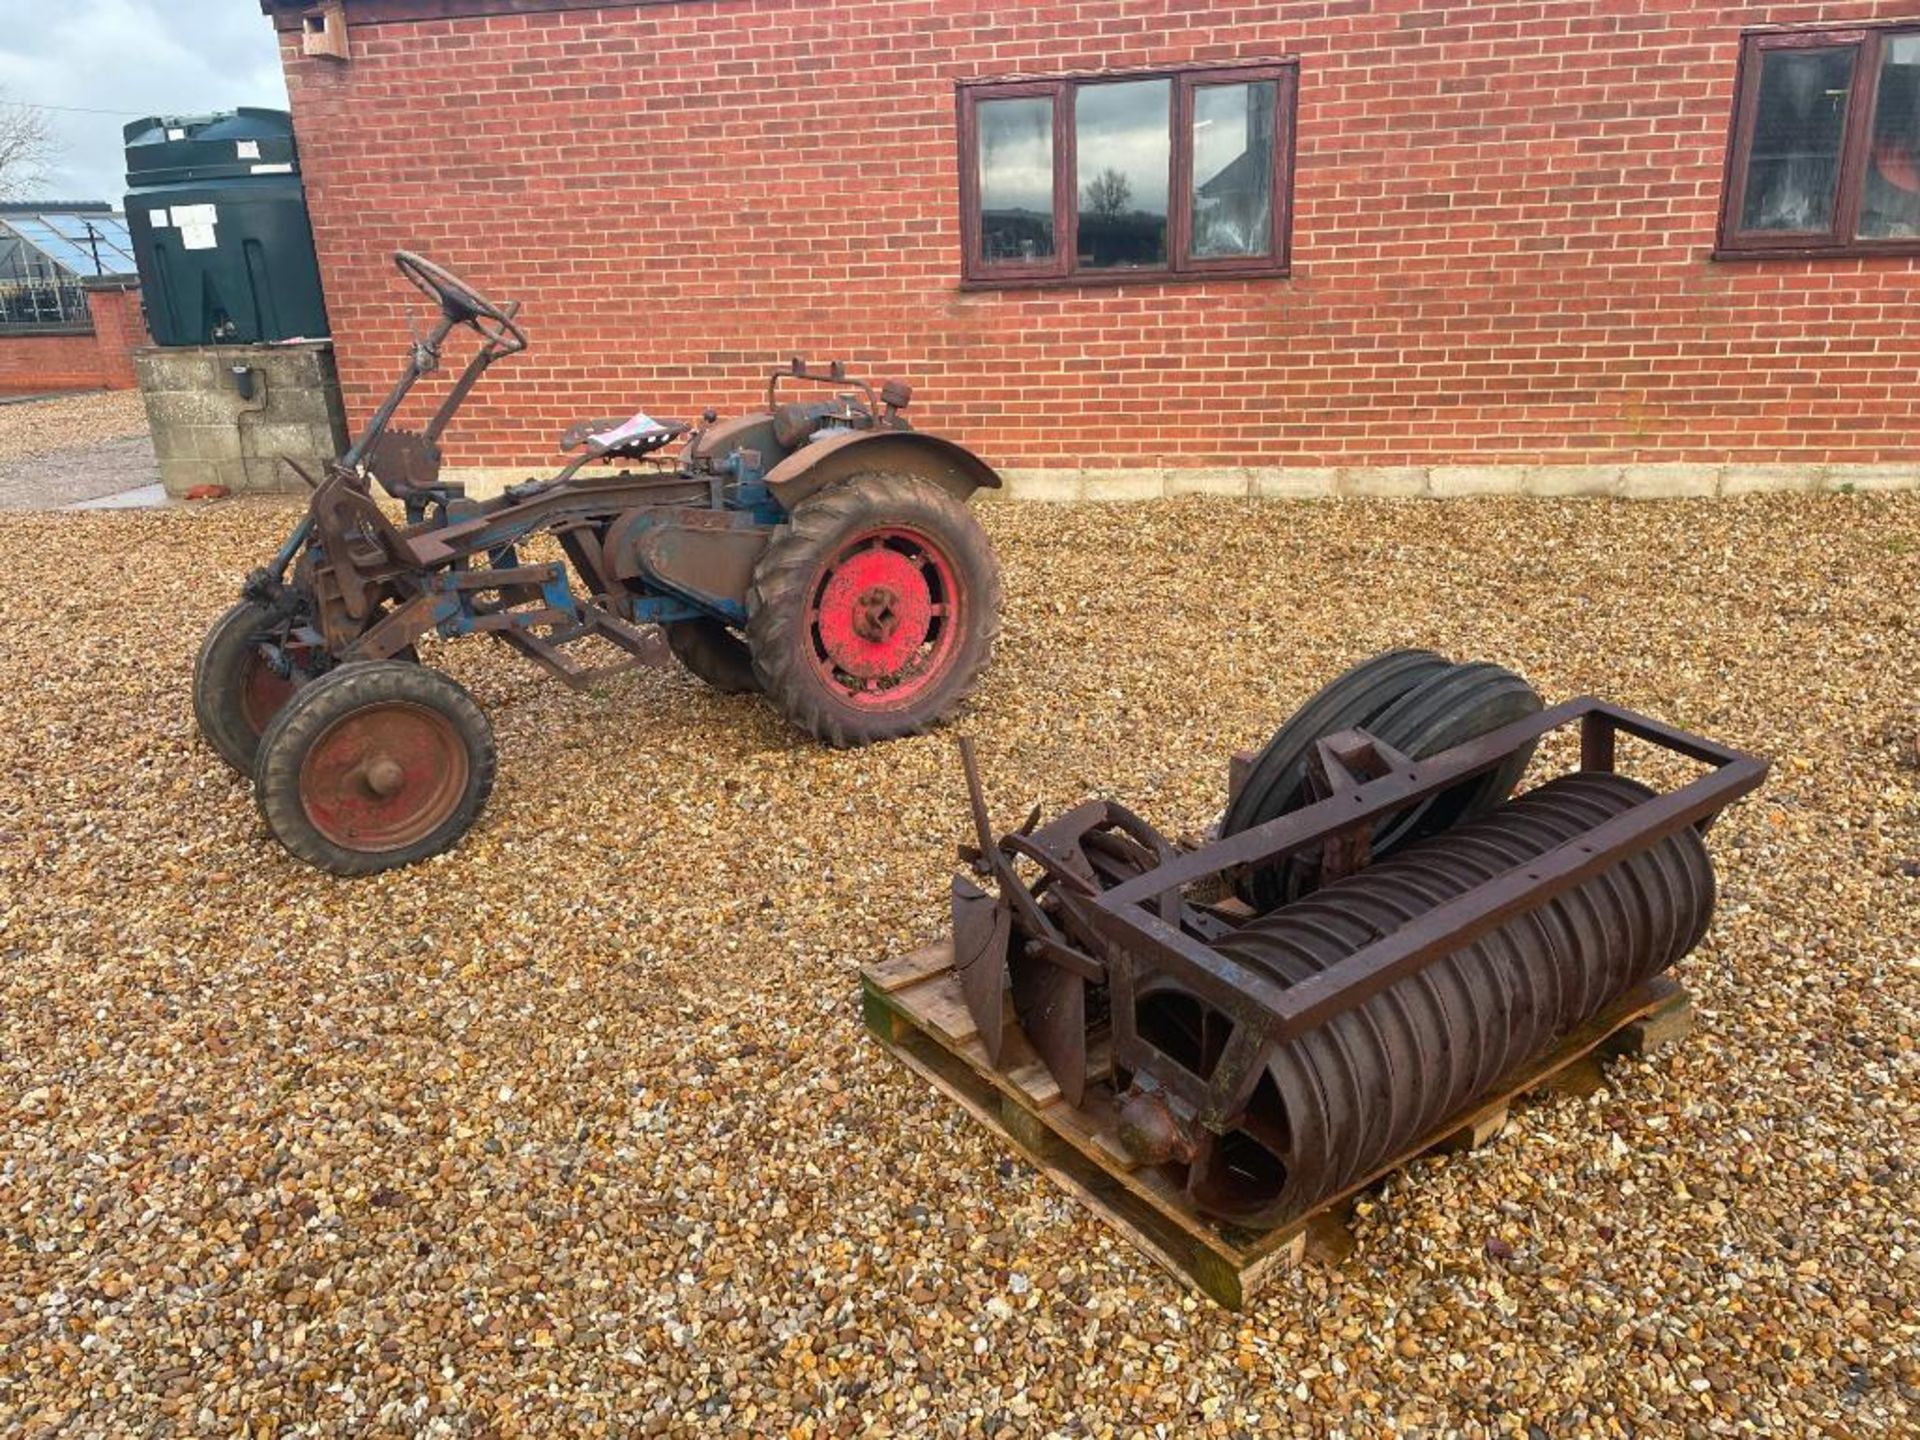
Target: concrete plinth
<point x="207" y="432"/>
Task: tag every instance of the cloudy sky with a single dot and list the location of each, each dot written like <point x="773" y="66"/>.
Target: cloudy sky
<point x="129" y="58"/>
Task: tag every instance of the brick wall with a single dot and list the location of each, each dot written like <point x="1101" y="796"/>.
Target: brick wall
<point x="1503" y="219"/>
<point x="30" y="364"/>
<point x="100" y="359"/>
<point x="119" y="329"/>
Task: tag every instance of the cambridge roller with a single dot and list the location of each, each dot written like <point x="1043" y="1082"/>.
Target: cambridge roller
<point x="1408" y="932"/>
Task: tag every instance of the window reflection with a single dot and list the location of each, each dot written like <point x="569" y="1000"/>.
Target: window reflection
<point x="1794" y="167"/>
<point x="1233" y="169"/>
<point x="1890" y="206"/>
<point x="1016" y="179"/>
<point x="1123" y="137"/>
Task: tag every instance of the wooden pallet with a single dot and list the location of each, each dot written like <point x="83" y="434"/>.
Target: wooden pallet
<point x="913" y="1005"/>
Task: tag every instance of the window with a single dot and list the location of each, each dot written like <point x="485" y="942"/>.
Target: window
<point x="1122" y="177"/>
<point x="1825" y="152"/>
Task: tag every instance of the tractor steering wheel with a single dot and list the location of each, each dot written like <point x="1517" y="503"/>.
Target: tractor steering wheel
<point x="461" y="303"/>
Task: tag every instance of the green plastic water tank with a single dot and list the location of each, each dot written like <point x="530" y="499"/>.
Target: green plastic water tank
<point x="220" y="229"/>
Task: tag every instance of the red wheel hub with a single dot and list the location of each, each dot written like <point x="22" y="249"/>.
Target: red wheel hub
<point x="383" y="777"/>
<point x="262" y="693"/>
<point x="885" y="619"/>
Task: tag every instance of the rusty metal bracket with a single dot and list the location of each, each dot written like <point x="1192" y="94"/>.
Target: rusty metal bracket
<point x="1341" y="763"/>
<point x="834" y="374"/>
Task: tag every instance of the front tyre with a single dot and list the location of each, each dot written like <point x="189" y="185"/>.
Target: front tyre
<point x="374" y="766"/>
<point x="873" y="613"/>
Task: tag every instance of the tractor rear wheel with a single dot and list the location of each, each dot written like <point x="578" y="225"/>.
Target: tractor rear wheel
<point x="873" y="612"/>
<point x="235" y="692"/>
<point x="374" y="765"/>
<point x="714" y="653"/>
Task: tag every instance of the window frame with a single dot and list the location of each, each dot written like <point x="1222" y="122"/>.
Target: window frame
<point x="1061" y="269"/>
<point x="1868" y="42"/>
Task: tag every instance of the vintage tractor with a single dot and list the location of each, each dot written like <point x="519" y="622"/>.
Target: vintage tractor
<point x="818" y="551"/>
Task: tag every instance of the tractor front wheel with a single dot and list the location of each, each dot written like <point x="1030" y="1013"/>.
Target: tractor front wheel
<point x="873" y="613"/>
<point x="373" y="766"/>
<point x="235" y="692"/>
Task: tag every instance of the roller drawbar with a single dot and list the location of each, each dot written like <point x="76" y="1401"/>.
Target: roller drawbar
<point x="1380" y="937"/>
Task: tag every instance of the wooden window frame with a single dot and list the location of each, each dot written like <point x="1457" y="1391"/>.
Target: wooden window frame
<point x="1061" y="268"/>
<point x="1842" y="238"/>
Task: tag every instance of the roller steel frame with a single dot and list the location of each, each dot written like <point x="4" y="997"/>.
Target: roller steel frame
<point x="1139" y="919"/>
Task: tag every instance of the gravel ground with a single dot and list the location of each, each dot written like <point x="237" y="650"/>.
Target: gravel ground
<point x="72" y="448"/>
<point x="575" y="1130"/>
<point x="67" y="422"/>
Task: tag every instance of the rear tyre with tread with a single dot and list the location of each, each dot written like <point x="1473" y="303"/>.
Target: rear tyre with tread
<point x="873" y="612"/>
<point x="1468" y="701"/>
<point x="1276" y="781"/>
<point x="373" y="766"/>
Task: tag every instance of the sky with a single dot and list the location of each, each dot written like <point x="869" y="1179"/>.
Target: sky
<point x="131" y="58"/>
<point x="1121" y="127"/>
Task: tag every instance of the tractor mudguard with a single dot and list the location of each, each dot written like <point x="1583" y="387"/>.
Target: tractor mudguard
<point x="815" y="466"/>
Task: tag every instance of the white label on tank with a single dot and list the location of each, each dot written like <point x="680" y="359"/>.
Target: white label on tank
<point x="176" y="134"/>
<point x="273" y="169"/>
<point x="246" y="149"/>
<point x="196" y="224"/>
<point x="158" y="219"/>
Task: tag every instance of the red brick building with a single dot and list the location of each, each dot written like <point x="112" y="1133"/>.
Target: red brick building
<point x="1386" y="245"/>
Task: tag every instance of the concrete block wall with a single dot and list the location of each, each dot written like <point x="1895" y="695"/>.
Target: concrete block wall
<point x="1394" y="482"/>
<point x="1304" y="482"/>
<point x="206" y="433"/>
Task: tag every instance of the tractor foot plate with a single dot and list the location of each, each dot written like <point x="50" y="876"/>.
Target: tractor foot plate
<point x="645" y="647"/>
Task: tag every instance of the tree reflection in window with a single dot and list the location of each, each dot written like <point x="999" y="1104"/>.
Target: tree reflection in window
<point x="1794" y="172"/>
<point x="1232" y="170"/>
<point x="1125" y="152"/>
<point x="1016" y="179"/>
<point x="1123" y="177"/>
